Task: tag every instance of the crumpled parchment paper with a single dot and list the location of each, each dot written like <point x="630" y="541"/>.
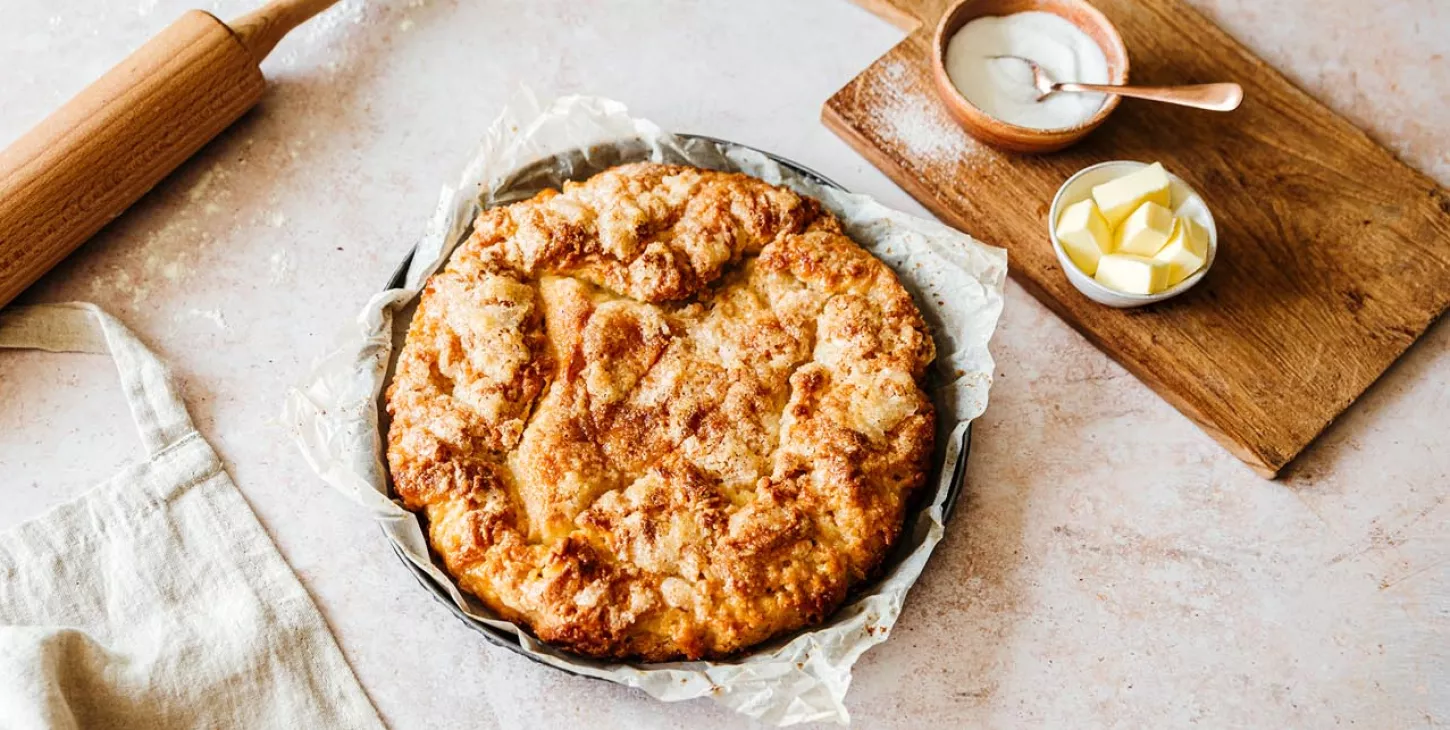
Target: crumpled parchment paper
<point x="956" y="281"/>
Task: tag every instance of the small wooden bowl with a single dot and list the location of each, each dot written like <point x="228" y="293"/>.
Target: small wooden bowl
<point x="1012" y="137"/>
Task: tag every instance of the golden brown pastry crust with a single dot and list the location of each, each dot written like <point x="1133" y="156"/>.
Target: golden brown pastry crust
<point x="665" y="413"/>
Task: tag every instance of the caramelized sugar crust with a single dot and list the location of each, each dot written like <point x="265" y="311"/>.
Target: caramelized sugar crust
<point x="666" y="413"/>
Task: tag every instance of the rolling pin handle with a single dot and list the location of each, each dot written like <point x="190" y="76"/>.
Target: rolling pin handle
<point x="261" y="29"/>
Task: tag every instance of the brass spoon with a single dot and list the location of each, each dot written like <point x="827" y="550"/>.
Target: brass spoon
<point x="1213" y="97"/>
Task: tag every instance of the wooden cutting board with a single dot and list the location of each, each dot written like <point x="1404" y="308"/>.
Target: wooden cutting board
<point x="1333" y="259"/>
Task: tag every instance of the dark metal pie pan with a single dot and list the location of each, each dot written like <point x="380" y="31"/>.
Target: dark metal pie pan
<point x="510" y="642"/>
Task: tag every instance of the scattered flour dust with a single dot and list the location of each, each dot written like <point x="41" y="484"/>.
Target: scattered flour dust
<point x="333" y="21"/>
<point x="122" y="282"/>
<point x="165" y="259"/>
<point x="214" y="316"/>
<point x="166" y="256"/>
<point x="922" y="128"/>
<point x="281" y="265"/>
<point x="199" y="190"/>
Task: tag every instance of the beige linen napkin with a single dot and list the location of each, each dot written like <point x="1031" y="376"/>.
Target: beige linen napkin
<point x="156" y="600"/>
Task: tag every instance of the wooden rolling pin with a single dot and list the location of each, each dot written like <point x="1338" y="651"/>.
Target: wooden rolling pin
<point x="90" y="160"/>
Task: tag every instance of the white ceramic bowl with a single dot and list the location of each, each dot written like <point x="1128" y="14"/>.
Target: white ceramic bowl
<point x="1185" y="202"/>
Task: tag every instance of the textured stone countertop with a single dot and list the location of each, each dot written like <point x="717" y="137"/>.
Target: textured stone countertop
<point x="1112" y="566"/>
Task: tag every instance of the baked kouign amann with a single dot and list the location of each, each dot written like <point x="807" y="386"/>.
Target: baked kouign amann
<point x="665" y="413"/>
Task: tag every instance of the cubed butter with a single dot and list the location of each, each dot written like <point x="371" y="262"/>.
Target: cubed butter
<point x="1132" y="274"/>
<point x="1145" y="231"/>
<point x="1117" y="199"/>
<point x="1084" y="234"/>
<point x="1185" y="251"/>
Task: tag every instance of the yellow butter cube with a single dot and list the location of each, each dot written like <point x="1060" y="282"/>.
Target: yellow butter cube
<point x="1145" y="231"/>
<point x="1084" y="235"/>
<point x="1132" y="274"/>
<point x="1186" y="250"/>
<point x="1119" y="198"/>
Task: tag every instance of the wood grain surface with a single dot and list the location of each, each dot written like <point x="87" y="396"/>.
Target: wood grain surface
<point x="90" y="160"/>
<point x="1334" y="256"/>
